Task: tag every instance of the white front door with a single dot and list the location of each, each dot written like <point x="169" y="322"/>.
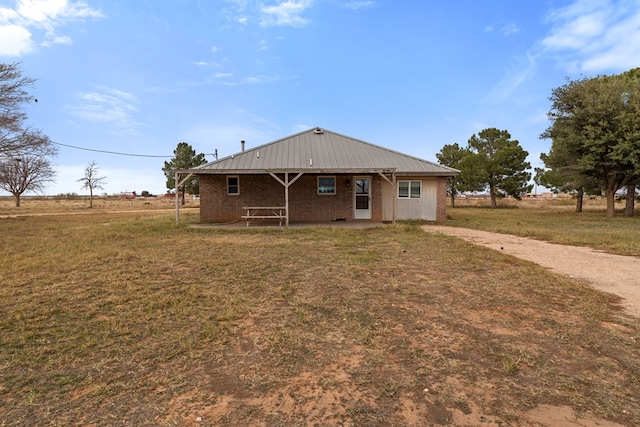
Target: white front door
<point x="362" y="198"/>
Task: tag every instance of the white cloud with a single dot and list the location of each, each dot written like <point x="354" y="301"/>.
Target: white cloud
<point x="359" y="4"/>
<point x="15" y="40"/>
<point x="587" y="36"/>
<point x="111" y="106"/>
<point x="57" y="40"/>
<point x="18" y="23"/>
<point x="285" y="13"/>
<point x="506" y="30"/>
<point x="509" y="30"/>
<point x="514" y="78"/>
<point x="274" y="13"/>
<point x="595" y="36"/>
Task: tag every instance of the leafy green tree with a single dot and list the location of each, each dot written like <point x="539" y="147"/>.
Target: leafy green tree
<point x="451" y="155"/>
<point x="595" y="128"/>
<point x="185" y="158"/>
<point x="498" y="163"/>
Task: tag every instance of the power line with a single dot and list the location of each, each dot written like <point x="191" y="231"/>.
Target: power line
<point x="120" y="153"/>
<point x="108" y="152"/>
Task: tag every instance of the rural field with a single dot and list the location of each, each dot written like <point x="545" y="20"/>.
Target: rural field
<point x="116" y="316"/>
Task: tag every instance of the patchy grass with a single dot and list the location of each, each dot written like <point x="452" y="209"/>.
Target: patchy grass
<point x="556" y="223"/>
<point x="126" y="319"/>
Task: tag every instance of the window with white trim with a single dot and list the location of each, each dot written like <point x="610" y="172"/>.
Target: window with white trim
<point x="326" y="185"/>
<point x="233" y="185"/>
<point x="409" y="189"/>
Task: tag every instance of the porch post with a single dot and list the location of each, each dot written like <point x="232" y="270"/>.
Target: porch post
<point x="286" y="183"/>
<point x="177" y="201"/>
<point x="395" y="198"/>
<point x="286" y="198"/>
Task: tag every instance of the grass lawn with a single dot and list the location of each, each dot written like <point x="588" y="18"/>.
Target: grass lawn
<point x="555" y="222"/>
<point x="125" y="319"/>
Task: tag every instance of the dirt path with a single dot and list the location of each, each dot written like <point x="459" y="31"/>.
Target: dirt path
<point x="615" y="274"/>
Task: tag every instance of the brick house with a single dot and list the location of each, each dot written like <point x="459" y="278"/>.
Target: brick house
<point x="319" y="175"/>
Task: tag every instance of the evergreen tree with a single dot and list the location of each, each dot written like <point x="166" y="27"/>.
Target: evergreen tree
<point x="185" y="158"/>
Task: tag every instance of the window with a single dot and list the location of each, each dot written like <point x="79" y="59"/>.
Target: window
<point x="233" y="185"/>
<point x="409" y="189"/>
<point x="326" y="185"/>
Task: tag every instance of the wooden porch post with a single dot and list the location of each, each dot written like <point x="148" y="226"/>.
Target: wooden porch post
<point x="286" y="184"/>
<point x="177" y="201"/>
<point x="286" y="199"/>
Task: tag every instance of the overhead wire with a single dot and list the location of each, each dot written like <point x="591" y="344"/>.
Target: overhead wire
<point x="118" y="153"/>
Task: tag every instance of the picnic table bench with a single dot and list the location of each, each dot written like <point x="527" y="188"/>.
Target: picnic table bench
<point x="264" y="212"/>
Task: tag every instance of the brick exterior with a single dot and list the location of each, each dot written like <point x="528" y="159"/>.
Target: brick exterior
<point x="305" y="204"/>
<point x="441" y="208"/>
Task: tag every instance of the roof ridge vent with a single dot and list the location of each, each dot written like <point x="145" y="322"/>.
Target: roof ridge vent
<point x="318" y="131"/>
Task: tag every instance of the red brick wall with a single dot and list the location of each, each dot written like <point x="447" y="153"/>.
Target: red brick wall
<point x="441" y="208"/>
<point x="304" y="202"/>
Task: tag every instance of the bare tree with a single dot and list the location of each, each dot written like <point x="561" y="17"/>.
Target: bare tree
<point x="92" y="181"/>
<point x="15" y="136"/>
<point x="27" y="173"/>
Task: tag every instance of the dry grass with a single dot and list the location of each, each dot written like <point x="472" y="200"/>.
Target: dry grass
<point x="113" y="318"/>
<point x="554" y="221"/>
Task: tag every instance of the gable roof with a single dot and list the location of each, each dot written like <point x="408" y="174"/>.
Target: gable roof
<point x="321" y="151"/>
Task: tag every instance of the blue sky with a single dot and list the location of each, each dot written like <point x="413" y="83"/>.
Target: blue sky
<point x="140" y="76"/>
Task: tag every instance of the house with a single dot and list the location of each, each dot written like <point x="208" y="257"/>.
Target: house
<point x="319" y="175"/>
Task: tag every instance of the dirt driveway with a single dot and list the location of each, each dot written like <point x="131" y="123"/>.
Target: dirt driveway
<point x="616" y="274"/>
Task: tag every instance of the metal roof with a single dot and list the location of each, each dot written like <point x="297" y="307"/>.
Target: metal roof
<point x="321" y="151"/>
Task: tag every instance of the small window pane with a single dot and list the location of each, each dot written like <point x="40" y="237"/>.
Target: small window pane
<point x="233" y="186"/>
<point x="409" y="189"/>
<point x="403" y="188"/>
<point x="327" y="185"/>
<point x="415" y="189"/>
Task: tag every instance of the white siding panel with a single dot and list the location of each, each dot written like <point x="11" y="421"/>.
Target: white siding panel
<point x="388" y="198"/>
<point x="423" y="208"/>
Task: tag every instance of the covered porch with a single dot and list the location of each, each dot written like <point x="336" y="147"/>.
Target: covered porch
<point x="306" y="196"/>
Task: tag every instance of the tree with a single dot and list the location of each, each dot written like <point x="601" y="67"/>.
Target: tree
<point x="92" y="181"/>
<point x="498" y="163"/>
<point x="185" y="158"/>
<point x="30" y="172"/>
<point x="23" y="150"/>
<point x="596" y="128"/>
<point x="452" y="155"/>
<point x="16" y="138"/>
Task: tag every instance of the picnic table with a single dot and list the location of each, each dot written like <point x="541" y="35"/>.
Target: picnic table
<point x="264" y="212"/>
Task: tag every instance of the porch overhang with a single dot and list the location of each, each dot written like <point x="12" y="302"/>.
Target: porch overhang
<point x="388" y="174"/>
